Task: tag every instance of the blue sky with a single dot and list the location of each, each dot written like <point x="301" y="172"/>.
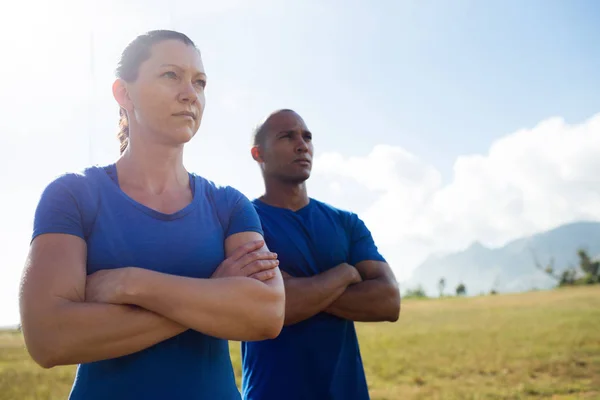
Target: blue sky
<point x="438" y="78"/>
<point x="431" y="119"/>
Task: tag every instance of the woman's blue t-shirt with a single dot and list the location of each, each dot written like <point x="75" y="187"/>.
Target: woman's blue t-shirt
<point x="121" y="232"/>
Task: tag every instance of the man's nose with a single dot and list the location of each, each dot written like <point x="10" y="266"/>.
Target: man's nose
<point x="301" y="146"/>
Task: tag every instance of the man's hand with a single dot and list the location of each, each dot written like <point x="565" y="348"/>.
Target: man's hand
<point x="354" y="274"/>
<point x="248" y="261"/>
<point x="376" y="299"/>
<point x="106" y="286"/>
<point x="310" y="295"/>
<point x="351" y="272"/>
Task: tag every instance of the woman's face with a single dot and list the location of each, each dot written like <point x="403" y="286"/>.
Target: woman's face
<point x="167" y="99"/>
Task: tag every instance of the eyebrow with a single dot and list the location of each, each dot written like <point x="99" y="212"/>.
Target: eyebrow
<point x="304" y="131"/>
<point x="178" y="67"/>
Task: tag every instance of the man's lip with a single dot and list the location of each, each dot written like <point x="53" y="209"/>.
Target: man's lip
<point x="302" y="161"/>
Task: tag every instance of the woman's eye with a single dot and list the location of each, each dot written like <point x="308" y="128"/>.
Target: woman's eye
<point x="201" y="83"/>
<point x="170" y="74"/>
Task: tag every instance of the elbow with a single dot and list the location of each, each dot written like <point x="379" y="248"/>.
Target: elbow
<point x="274" y="320"/>
<point x="394" y="313"/>
<point x="45" y="362"/>
<point x="42" y="358"/>
<point x="272" y="330"/>
<point x="41" y="351"/>
<point x="394" y="304"/>
<point x="44" y="345"/>
<point x="272" y="315"/>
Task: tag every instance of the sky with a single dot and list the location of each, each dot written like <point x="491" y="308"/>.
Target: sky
<point x="439" y="122"/>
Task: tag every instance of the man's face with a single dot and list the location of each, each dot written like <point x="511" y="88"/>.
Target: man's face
<point x="287" y="149"/>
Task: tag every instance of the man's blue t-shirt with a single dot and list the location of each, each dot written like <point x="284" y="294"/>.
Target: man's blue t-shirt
<point x="121" y="232"/>
<point x="318" y="358"/>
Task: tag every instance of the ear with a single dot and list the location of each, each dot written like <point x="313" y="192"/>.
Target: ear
<point x="256" y="154"/>
<point x="121" y="94"/>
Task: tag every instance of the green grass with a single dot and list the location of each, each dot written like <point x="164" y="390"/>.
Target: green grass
<point x="537" y="345"/>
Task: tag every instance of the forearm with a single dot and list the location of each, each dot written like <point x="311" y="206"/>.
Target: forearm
<point x="306" y="297"/>
<point x="79" y="332"/>
<point x="369" y="301"/>
<point x="229" y="308"/>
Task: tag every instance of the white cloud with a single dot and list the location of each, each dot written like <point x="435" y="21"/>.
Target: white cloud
<point x="530" y="180"/>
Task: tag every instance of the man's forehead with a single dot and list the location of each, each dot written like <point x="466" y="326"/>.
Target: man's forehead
<point x="284" y="121"/>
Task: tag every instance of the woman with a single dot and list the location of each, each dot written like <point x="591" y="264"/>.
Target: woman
<point x="140" y="271"/>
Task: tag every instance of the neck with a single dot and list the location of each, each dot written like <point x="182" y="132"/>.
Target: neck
<point x="152" y="167"/>
<point x="285" y="195"/>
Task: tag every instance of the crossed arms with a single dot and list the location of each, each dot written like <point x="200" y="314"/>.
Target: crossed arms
<point x="70" y="318"/>
<point x="365" y="292"/>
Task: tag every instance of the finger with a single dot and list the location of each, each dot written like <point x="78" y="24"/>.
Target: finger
<point x="260" y="265"/>
<point x="264" y="275"/>
<point x="246" y="248"/>
<point x="256" y="256"/>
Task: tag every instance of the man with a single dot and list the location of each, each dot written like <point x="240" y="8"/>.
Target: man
<point x="333" y="276"/>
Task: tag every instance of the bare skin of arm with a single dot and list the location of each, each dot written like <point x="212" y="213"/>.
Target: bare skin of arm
<point x="61" y="328"/>
<point x="376" y="298"/>
<point x="233" y="308"/>
<point x="306" y="297"/>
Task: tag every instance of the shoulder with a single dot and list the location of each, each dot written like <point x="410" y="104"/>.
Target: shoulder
<point x="349" y="220"/>
<point x="80" y="185"/>
<point x="227" y="201"/>
<point x="216" y="190"/>
<point x="346" y="217"/>
<point x="221" y="194"/>
<point x="259" y="206"/>
<point x="234" y="210"/>
<point x="268" y="212"/>
<point x="68" y="204"/>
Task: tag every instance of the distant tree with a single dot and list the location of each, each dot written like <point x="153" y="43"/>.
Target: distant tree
<point x="461" y="289"/>
<point x="568" y="277"/>
<point x="587" y="272"/>
<point x="416" y="293"/>
<point x="495" y="285"/>
<point x="591" y="269"/>
<point x="548" y="269"/>
<point x="441" y="286"/>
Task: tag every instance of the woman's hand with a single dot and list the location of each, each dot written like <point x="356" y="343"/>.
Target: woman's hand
<point x="249" y="261"/>
<point x="106" y="286"/>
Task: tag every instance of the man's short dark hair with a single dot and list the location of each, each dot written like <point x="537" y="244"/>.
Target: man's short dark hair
<point x="260" y="132"/>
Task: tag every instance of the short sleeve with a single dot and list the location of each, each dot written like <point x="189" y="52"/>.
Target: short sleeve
<point x="242" y="214"/>
<point x="362" y="245"/>
<point x="57" y="211"/>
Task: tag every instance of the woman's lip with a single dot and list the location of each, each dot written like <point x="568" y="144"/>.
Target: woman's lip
<point x="185" y="114"/>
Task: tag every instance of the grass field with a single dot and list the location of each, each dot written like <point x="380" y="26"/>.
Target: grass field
<point x="522" y="346"/>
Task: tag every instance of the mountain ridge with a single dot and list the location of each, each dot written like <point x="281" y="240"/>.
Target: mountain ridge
<point x="511" y="267"/>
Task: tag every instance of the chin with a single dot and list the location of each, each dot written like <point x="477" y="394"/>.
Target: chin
<point x="305" y="176"/>
<point x="298" y="179"/>
<point x="183" y="136"/>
